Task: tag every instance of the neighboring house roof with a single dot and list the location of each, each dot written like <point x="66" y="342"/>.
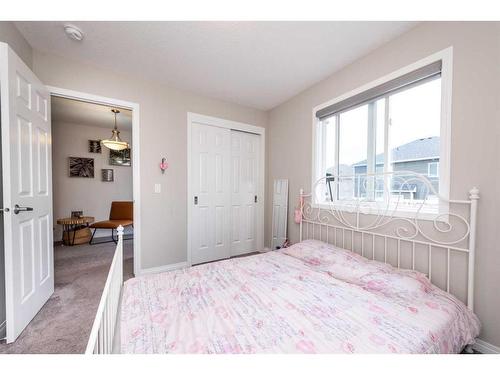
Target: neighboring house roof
<point x="420" y="149"/>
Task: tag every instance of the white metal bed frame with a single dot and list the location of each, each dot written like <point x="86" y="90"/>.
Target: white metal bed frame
<point x="103" y="330"/>
<point x="346" y="215"/>
<point x="343" y="216"/>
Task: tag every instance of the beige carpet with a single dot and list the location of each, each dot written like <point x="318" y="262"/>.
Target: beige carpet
<point x="63" y="324"/>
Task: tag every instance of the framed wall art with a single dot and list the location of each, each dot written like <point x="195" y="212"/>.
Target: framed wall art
<point x="81" y="167"/>
<point x="120" y="157"/>
<point x="95" y="146"/>
<point x="107" y="175"/>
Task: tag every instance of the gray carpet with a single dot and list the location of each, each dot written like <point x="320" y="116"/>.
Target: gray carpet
<point x="63" y="324"/>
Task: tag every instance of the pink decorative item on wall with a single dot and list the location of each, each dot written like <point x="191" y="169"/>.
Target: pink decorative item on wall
<point x="163" y="165"/>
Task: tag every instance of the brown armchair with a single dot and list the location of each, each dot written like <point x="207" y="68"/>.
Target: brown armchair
<point x="121" y="213"/>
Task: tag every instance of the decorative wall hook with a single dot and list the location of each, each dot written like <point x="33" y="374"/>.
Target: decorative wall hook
<point x="163" y="165"/>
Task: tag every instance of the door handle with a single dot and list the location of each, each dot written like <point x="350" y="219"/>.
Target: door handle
<point x="6" y="209"/>
<point x="18" y="209"/>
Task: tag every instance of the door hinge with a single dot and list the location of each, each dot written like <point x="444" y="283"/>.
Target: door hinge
<point x="255" y="199"/>
<point x="195" y="200"/>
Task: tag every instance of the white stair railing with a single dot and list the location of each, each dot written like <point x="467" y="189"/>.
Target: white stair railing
<point x="103" y="329"/>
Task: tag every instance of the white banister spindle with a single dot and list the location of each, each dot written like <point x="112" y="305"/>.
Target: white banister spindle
<point x="103" y="329"/>
<point x="474" y="197"/>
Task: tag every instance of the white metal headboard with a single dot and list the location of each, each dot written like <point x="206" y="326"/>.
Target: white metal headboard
<point x="339" y="206"/>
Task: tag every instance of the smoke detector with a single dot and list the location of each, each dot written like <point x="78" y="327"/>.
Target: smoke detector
<point x="73" y="32"/>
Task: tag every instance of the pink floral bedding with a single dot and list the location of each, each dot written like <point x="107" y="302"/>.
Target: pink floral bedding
<point x="296" y="300"/>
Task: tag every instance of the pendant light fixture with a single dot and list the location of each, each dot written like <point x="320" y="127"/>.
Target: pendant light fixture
<point x="115" y="142"/>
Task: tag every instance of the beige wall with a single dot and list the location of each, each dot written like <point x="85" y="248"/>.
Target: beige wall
<point x="163" y="132"/>
<point x="9" y="34"/>
<point x="91" y="195"/>
<point x="475" y="133"/>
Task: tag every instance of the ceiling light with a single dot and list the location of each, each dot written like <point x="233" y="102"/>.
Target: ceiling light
<point x="115" y="142"/>
<point x="73" y="32"/>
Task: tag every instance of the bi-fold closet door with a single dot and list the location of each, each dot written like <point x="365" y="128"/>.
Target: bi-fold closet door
<point x="224" y="182"/>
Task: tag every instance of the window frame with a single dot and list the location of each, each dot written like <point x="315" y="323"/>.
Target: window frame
<point x="446" y="57"/>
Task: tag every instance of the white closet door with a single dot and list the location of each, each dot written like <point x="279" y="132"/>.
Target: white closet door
<point x="245" y="151"/>
<point x="210" y="168"/>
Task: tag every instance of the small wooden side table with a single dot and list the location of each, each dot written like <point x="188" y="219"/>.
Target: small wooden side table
<point x="73" y="224"/>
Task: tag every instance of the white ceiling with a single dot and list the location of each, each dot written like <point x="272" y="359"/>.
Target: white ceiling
<point x="82" y="113"/>
<point x="257" y="64"/>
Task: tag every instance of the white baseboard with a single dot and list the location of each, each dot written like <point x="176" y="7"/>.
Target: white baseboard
<point x="166" y="268"/>
<point x="3" y="330"/>
<point x="265" y="250"/>
<point x="485" y="347"/>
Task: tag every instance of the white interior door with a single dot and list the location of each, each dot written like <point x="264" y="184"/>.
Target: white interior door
<point x="280" y="209"/>
<point x="245" y="152"/>
<point x="27" y="184"/>
<point x="210" y="171"/>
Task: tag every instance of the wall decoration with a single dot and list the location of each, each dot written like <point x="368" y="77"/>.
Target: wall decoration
<point x="94" y="146"/>
<point x="81" y="167"/>
<point x="120" y="157"/>
<point x="107" y="175"/>
<point x="163" y="165"/>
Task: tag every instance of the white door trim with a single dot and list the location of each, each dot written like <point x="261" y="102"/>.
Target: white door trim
<point x="136" y="179"/>
<point x="228" y="124"/>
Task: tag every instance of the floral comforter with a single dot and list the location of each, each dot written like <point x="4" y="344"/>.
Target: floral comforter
<point x="309" y="298"/>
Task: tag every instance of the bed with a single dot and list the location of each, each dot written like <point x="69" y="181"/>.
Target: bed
<point x="313" y="297"/>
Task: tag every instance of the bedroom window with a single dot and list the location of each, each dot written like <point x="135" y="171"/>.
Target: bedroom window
<point x="395" y="126"/>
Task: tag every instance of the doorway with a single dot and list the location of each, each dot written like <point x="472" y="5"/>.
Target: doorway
<point x="130" y="111"/>
<point x="91" y="183"/>
<point x="79" y="268"/>
<point x="225" y="188"/>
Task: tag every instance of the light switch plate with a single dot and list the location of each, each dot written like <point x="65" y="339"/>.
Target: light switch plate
<point x="157" y="188"/>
